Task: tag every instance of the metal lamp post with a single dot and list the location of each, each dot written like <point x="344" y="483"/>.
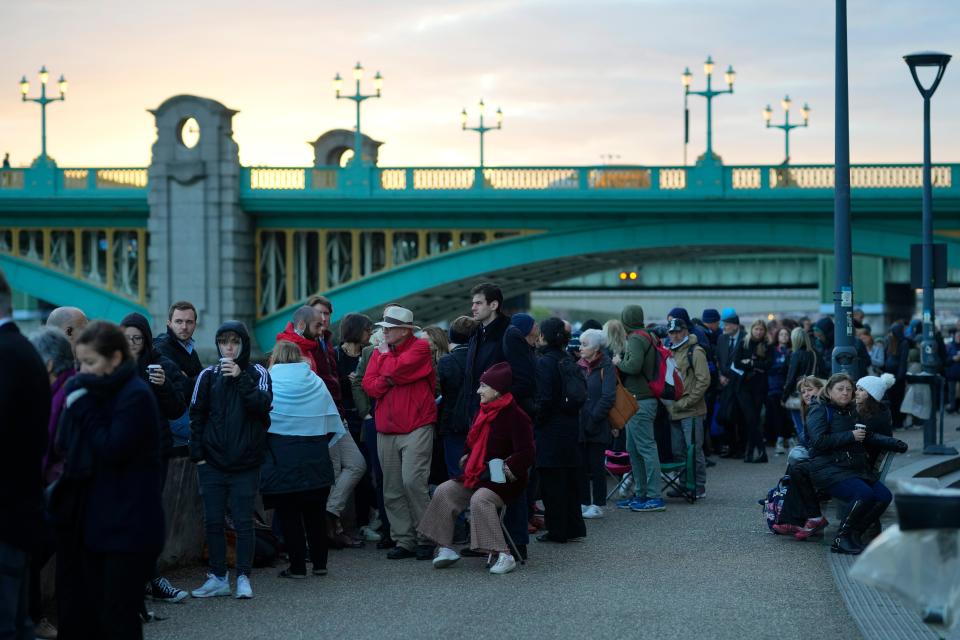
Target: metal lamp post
<point x="481" y="128"/>
<point x="929" y="358"/>
<point x="358" y="98"/>
<point x="43" y="101"/>
<point x="786" y="126"/>
<point x="709" y="93"/>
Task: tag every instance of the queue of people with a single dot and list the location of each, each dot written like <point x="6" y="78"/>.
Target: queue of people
<point x="434" y="444"/>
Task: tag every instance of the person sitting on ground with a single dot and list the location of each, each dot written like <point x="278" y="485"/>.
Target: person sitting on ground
<point x="839" y="463"/>
<point x="595" y="433"/>
<point x="296" y="477"/>
<point x="501" y="432"/>
<point x="800" y="515"/>
<point x="229" y="418"/>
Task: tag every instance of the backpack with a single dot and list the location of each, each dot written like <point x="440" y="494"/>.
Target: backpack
<point x="773" y="503"/>
<point x="667" y="381"/>
<point x="573" y="386"/>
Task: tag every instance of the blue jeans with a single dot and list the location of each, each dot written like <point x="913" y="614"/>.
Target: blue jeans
<point x="217" y="488"/>
<point x="14" y="621"/>
<point x="853" y="489"/>
<point x="642" y="447"/>
<point x="798" y="425"/>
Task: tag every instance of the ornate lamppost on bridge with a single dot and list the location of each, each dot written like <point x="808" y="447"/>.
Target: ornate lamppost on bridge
<point x="43" y="101"/>
<point x="929" y="358"/>
<point x="358" y="98"/>
<point x="786" y="126"/>
<point x="481" y="128"/>
<point x="709" y="93"/>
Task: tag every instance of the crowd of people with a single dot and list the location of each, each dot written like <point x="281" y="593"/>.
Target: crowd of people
<point x="433" y="443"/>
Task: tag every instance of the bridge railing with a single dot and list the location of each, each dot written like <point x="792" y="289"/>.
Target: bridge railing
<point x="600" y="181"/>
<point x="43" y="181"/>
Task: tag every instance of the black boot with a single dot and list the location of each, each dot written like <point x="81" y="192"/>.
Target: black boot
<point x="871" y="528"/>
<point x="848" y="538"/>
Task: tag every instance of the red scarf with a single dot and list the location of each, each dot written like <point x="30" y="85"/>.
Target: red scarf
<point x="478" y="437"/>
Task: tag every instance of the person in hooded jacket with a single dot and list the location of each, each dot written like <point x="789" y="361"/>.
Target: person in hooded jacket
<point x="898" y="352"/>
<point x="595" y="434"/>
<point x="106" y="505"/>
<point x="822" y="339"/>
<point x="753" y="357"/>
<point x="165" y="380"/>
<point x="839" y="463"/>
<point x="687" y="411"/>
<point x="229" y="418"/>
<point x="557" y="435"/>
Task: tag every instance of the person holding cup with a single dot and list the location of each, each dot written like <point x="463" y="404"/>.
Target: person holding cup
<point x="497" y="456"/>
<point x="839" y="464"/>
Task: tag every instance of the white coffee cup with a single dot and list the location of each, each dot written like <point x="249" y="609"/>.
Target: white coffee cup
<point x="496" y="471"/>
<point x="154" y="368"/>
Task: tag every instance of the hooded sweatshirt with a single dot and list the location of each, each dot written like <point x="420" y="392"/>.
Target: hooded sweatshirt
<point x="639" y="357"/>
<point x="692" y="362"/>
<point x="229" y="417"/>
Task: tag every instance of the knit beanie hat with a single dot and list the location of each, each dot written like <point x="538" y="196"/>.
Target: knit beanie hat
<point x="523" y="322"/>
<point x="710" y="315"/>
<point x="876" y="386"/>
<point x="498" y="377"/>
<point x="632" y="317"/>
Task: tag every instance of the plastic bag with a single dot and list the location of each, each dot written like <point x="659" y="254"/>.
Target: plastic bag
<point x="920" y="566"/>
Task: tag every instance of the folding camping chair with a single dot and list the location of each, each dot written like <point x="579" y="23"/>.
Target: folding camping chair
<point x="617" y="465"/>
<point x="681" y="475"/>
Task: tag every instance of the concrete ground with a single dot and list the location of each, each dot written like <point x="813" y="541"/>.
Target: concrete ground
<point x="709" y="570"/>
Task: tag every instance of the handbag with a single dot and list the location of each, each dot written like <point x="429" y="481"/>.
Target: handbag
<point x="624" y="406"/>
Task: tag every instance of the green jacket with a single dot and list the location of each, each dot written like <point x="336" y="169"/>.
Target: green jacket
<point x="637" y="365"/>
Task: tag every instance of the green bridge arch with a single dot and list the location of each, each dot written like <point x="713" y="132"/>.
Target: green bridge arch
<point x="436" y="287"/>
<point x="64" y="289"/>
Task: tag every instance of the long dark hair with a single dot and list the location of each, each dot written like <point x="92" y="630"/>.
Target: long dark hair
<point x="869" y="407"/>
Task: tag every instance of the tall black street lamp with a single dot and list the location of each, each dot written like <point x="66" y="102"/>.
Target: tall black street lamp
<point x="929" y="357"/>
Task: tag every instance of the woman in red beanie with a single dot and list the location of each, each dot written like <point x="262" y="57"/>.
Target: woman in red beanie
<point x="501" y="433"/>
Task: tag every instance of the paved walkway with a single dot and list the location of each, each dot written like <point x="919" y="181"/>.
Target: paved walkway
<point x="708" y="570"/>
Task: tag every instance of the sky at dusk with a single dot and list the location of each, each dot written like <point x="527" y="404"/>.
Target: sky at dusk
<point x="576" y="80"/>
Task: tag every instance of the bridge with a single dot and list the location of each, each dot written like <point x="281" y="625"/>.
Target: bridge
<point x="253" y="242"/>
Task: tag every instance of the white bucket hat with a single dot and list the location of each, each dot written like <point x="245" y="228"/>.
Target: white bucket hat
<point x="398" y="317"/>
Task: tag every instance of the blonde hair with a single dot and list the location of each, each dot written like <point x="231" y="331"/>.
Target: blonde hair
<point x="615" y="336"/>
<point x="761" y="348"/>
<point x="439" y="344"/>
<point x="285" y="352"/>
<point x="803" y="382"/>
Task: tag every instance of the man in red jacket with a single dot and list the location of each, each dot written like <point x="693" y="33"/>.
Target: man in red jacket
<point x="302" y="331"/>
<point x="400" y="376"/>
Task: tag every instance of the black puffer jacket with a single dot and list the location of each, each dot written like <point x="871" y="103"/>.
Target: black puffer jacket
<point x="556" y="434"/>
<point x="802" y="363"/>
<point x="229" y="417"/>
<point x="188" y="363"/>
<point x="835" y="455"/>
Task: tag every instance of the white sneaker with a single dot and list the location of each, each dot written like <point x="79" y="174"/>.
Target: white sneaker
<point x="370" y="535"/>
<point x="593" y="511"/>
<point x="214" y="586"/>
<point x="583" y="509"/>
<point x="779" y="450"/>
<point x="505" y="564"/>
<point x="445" y="557"/>
<point x="244" y="591"/>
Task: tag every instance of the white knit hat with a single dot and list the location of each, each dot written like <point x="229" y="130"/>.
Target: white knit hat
<point x="876" y="386"/>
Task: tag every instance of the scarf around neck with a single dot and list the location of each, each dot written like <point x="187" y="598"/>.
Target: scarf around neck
<point x="302" y="405"/>
<point x="479" y="436"/>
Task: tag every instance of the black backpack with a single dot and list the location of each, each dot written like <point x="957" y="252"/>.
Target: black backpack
<point x="573" y="386"/>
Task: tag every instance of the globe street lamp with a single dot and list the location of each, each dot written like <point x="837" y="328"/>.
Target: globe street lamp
<point x="709" y="94"/>
<point x="786" y="126"/>
<point x="358" y="97"/>
<point x="481" y="128"/>
<point x="43" y="101"/>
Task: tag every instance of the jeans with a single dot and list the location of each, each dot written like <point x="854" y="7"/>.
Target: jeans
<point x="853" y="489"/>
<point x="642" y="447"/>
<point x="686" y="431"/>
<point x="798" y="425"/>
<point x="217" y="488"/>
<point x="14" y="621"/>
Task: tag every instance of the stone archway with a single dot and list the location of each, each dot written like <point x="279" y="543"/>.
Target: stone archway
<point x="330" y="147"/>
